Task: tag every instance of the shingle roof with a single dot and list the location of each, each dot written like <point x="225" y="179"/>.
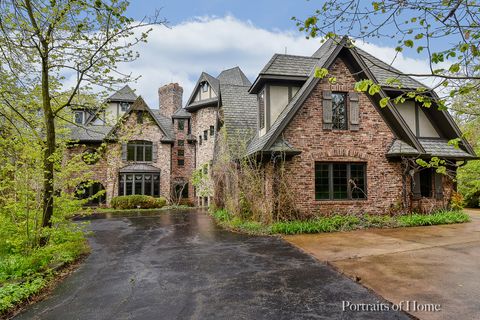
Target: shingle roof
<point x="400" y="147"/>
<point x="125" y="94"/>
<point x="239" y="115"/>
<point x="441" y="148"/>
<point x="89" y="132"/>
<point x="289" y="65"/>
<point x="181" y="113"/>
<point x="259" y="142"/>
<point x="233" y="76"/>
<point x="139" y="167"/>
<point x="383" y="71"/>
<point x="165" y="124"/>
<point x="214" y="82"/>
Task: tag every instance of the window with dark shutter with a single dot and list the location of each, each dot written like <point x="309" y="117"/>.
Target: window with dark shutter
<point x="327" y="110"/>
<point x="354" y="111"/>
<point x="339" y="111"/>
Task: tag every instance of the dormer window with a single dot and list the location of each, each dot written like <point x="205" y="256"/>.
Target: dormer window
<point x="124" y="106"/>
<point x="79" y="117"/>
<point x="205" y="87"/>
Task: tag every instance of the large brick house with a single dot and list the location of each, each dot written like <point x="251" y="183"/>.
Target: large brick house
<point x="341" y="152"/>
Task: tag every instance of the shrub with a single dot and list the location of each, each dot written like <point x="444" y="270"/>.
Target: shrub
<point x="440" y="217"/>
<point x="328" y="224"/>
<point x="137" y="202"/>
<point x="457" y="202"/>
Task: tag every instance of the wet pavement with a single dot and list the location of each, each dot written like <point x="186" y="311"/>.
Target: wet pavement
<point x="179" y="265"/>
<point x="429" y="265"/>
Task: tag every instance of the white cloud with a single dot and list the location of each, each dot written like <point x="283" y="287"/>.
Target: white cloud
<point x="211" y="44"/>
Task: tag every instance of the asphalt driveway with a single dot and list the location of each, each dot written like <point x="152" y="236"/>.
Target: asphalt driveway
<point x="434" y="265"/>
<point x="179" y="265"/>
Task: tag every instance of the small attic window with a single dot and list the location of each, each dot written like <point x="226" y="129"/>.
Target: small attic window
<point x="78" y="117"/>
<point x="205" y="87"/>
<point x="124" y="106"/>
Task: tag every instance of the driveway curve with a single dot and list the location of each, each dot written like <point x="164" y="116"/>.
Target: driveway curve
<point x="180" y="265"/>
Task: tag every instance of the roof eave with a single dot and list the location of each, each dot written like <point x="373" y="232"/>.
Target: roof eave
<point x="264" y="77"/>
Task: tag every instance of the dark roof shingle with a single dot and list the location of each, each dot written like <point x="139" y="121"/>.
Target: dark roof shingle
<point x="125" y="94"/>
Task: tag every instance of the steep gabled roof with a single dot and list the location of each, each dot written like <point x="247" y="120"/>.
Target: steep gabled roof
<point x="289" y="65"/>
<point x="233" y="76"/>
<point x="326" y="55"/>
<point x="89" y="133"/>
<point x="214" y="84"/>
<point x="164" y="123"/>
<point x="239" y="116"/>
<point x="125" y="94"/>
<point x="181" y="113"/>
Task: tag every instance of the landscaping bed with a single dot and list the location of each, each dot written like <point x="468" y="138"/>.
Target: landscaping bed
<point x="338" y="222"/>
<point x="24" y="274"/>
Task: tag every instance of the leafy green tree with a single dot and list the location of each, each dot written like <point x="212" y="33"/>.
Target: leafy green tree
<point x="45" y="43"/>
<point x="446" y="32"/>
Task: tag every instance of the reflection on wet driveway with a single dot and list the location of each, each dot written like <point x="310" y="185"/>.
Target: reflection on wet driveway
<point x="179" y="265"/>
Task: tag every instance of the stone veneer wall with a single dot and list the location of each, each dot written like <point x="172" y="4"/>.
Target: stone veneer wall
<point x="202" y="120"/>
<point x="106" y="169"/>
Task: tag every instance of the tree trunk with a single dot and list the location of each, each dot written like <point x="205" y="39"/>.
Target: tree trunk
<point x="48" y="185"/>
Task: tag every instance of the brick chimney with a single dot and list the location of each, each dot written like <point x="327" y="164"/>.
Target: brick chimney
<point x="170" y="98"/>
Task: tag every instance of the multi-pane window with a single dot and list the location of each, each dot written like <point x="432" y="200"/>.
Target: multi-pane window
<point x="78" y="117"/>
<point x="180" y="162"/>
<point x="181" y="143"/>
<point x="205" y="135"/>
<point x="181" y="125"/>
<point x="139" y="151"/>
<point x="139" y="183"/>
<point x="181" y="153"/>
<point x="339" y="111"/>
<point x="212" y="130"/>
<point x="340" y="181"/>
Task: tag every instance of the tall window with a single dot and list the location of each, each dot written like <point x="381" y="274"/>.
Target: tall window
<point x="212" y="130"/>
<point x="79" y="117"/>
<point x="139" y="183"/>
<point x="261" y="109"/>
<point x="200" y="140"/>
<point x="139" y="151"/>
<point x="181" y="143"/>
<point x="181" y="124"/>
<point x="340" y="181"/>
<point x="205" y="135"/>
<point x="426" y="183"/>
<point x="339" y="111"/>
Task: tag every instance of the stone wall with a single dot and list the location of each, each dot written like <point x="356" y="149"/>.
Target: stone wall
<point x="170" y="98"/>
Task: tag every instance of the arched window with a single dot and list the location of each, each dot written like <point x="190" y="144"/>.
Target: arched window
<point x="140" y="151"/>
<point x="92" y="191"/>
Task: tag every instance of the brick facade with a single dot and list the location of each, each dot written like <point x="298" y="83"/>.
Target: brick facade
<point x="182" y="174"/>
<point x="170" y="99"/>
<point x="368" y="145"/>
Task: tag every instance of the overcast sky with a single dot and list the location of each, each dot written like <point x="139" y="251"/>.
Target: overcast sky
<point x="212" y="35"/>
